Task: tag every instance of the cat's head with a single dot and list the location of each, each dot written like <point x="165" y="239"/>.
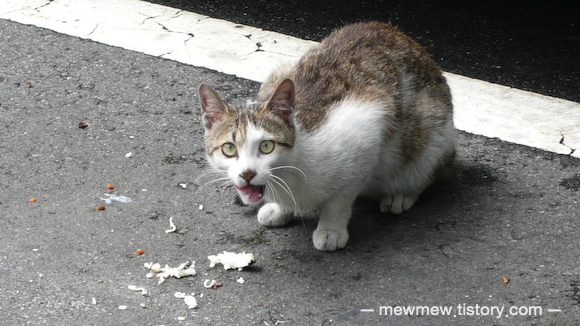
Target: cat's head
<point x="249" y="141"/>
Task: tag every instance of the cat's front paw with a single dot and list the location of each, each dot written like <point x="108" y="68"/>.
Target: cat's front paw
<point x="329" y="240"/>
<point x="271" y="214"/>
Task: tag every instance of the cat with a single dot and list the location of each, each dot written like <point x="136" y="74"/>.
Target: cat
<point x="366" y="112"/>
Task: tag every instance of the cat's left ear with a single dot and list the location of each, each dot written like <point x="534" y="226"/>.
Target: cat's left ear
<point x="282" y="100"/>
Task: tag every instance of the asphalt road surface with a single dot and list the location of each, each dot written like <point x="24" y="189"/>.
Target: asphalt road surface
<point x="495" y="244"/>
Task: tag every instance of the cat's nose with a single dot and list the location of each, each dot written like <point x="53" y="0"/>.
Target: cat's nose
<point x="248" y="175"/>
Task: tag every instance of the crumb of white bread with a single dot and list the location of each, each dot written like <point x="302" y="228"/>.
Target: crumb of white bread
<point x="231" y="260"/>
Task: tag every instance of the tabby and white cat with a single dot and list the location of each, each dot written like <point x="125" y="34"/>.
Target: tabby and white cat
<point x="364" y="113"/>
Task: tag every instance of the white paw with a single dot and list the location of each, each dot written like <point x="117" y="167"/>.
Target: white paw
<point x="397" y="204"/>
<point x="328" y="240"/>
<point x="272" y="214"/>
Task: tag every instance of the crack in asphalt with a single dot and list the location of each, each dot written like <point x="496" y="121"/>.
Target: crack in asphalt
<point x="563" y="143"/>
<point x="44" y="5"/>
<point x="167" y="29"/>
<point x="94" y="29"/>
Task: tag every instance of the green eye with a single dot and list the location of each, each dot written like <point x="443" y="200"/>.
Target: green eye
<point x="229" y="150"/>
<point x="267" y="146"/>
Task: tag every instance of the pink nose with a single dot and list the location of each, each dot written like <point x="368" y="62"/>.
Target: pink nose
<point x="248" y="175"/>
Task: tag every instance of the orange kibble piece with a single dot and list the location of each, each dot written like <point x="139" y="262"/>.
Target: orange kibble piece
<point x="33" y="200"/>
<point x="101" y="208"/>
<point x="110" y="186"/>
<point x="140" y="251"/>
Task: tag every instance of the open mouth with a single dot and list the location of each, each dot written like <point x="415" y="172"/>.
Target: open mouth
<point x="251" y="192"/>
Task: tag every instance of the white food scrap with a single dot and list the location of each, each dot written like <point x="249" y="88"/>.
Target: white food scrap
<point x="188" y="299"/>
<point x="209" y="284"/>
<point x="183" y="270"/>
<point x="241" y="280"/>
<point x="231" y="260"/>
<point x="138" y="289"/>
<point x="172" y="226"/>
<point x="113" y="197"/>
<point x="190" y="302"/>
<point x="154" y="267"/>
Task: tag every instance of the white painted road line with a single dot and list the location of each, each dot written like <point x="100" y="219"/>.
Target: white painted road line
<point x="480" y="107"/>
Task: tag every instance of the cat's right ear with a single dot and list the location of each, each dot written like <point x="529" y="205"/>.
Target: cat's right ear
<point x="212" y="105"/>
<point x="282" y="101"/>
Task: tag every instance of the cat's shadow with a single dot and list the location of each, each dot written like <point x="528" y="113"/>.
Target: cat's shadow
<point x="442" y="206"/>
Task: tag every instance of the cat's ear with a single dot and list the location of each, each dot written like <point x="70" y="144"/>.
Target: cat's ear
<point x="282" y="100"/>
<point x="212" y="105"/>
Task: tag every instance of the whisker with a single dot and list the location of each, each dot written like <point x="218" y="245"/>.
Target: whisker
<point x="224" y="184"/>
<point x="291" y="167"/>
<point x="210" y="172"/>
<point x="272" y="189"/>
<point x="227" y="181"/>
<point x="287" y="188"/>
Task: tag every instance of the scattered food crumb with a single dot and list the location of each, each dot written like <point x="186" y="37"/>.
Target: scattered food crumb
<point x="183" y="270"/>
<point x="113" y="197"/>
<point x="232" y="260"/>
<point x="183" y="185"/>
<point x="128" y="155"/>
<point x="506" y="279"/>
<point x="181" y="318"/>
<point x="110" y="186"/>
<point x="140" y="251"/>
<point x="142" y="305"/>
<point x="200" y="207"/>
<point x="154" y="267"/>
<point x="138" y="289"/>
<point x="179" y="295"/>
<point x="241" y="280"/>
<point x="188" y="299"/>
<point x="33" y="200"/>
<point x="101" y="208"/>
<point x="172" y="226"/>
<point x="94" y="300"/>
<point x="123" y="307"/>
<point x="83" y="125"/>
<point x="208" y="284"/>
